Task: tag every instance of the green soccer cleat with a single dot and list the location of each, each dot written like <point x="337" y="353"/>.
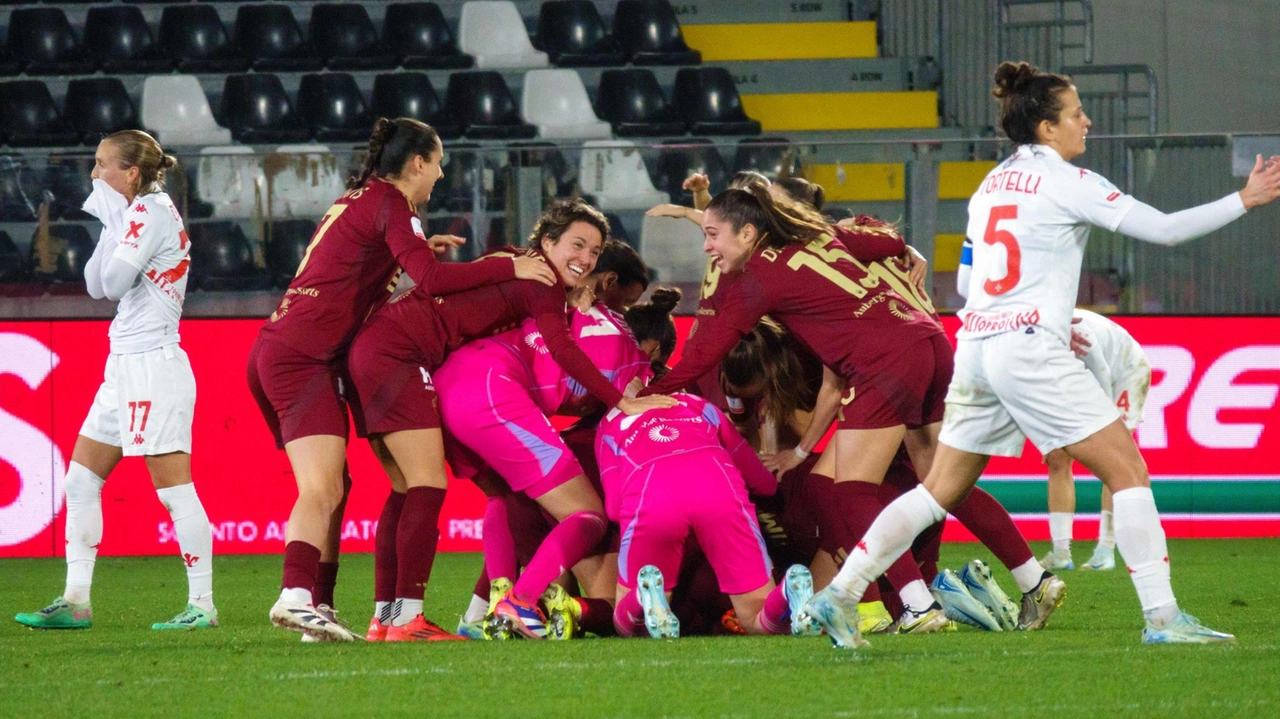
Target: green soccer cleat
<point x="60" y="614"/>
<point x="874" y="618"/>
<point x="1102" y="560"/>
<point x="1185" y="629"/>
<point x="564" y="614"/>
<point x="658" y="617"/>
<point x="495" y="627"/>
<point x="471" y="630"/>
<point x="191" y="618"/>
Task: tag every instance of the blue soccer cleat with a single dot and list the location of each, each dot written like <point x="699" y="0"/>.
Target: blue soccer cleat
<point x="834" y="616"/>
<point x="658" y="617"/>
<point x="526" y="620"/>
<point x="976" y="577"/>
<point x="1185" y="629"/>
<point x="960" y="605"/>
<point x="797" y="585"/>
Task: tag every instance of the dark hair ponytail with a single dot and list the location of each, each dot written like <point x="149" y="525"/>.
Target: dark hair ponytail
<point x="393" y="143"/>
<point x="621" y="259"/>
<point x="778" y="221"/>
<point x="652" y="321"/>
<point x="1028" y="96"/>
<point x="803" y="191"/>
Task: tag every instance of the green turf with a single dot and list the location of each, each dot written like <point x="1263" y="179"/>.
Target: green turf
<point x="1088" y="663"/>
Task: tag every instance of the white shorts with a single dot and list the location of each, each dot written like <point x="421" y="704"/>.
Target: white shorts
<point x="1129" y="394"/>
<point x="145" y="404"/>
<point x="1020" y="385"/>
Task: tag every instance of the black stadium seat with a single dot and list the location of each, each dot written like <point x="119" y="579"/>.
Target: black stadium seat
<point x="773" y="157"/>
<point x="42" y="41"/>
<point x="633" y="103"/>
<point x="117" y="36"/>
<point x="8" y="65"/>
<point x="196" y="39"/>
<point x="331" y="107"/>
<point x="344" y="36"/>
<point x="60" y="256"/>
<point x="417" y="33"/>
<point x="12" y="266"/>
<point x="708" y="100"/>
<point x="484" y="106"/>
<point x="222" y="259"/>
<point x="29" y="117"/>
<point x="99" y="106"/>
<point x="410" y="94"/>
<point x="617" y="230"/>
<point x="675" y="164"/>
<point x="270" y="37"/>
<point x="649" y="34"/>
<point x="285" y="247"/>
<point x="68" y="178"/>
<point x="256" y="109"/>
<point x="572" y="34"/>
<point x="19" y="196"/>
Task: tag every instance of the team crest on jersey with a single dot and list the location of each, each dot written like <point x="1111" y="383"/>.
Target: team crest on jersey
<point x="899" y="310"/>
<point x="663" y="433"/>
<point x="417" y="227"/>
<point x="536" y="343"/>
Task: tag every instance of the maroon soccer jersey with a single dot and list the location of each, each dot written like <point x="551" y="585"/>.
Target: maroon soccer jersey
<point x="351" y="266"/>
<point x="853" y="316"/>
<point x="455" y="319"/>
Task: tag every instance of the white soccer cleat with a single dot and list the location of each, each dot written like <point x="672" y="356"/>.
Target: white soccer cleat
<point x="798" y="588"/>
<point x="960" y="605"/>
<point x="1102" y="560"/>
<point x="1185" y="629"/>
<point x="658" y="617"/>
<point x="976" y="577"/>
<point x="1056" y="562"/>
<point x="308" y="620"/>
<point x="835" y="617"/>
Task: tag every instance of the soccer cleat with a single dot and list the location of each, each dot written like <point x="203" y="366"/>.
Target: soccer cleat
<point x="976" y="577"/>
<point x="306" y="619"/>
<point x="873" y="618"/>
<point x="1040" y="602"/>
<point x="471" y="630"/>
<point x="527" y="620"/>
<point x="797" y="585"/>
<point x="60" y="614"/>
<point x="377" y="631"/>
<point x="564" y="614"/>
<point x="658" y="617"/>
<point x="959" y="605"/>
<point x="192" y="617"/>
<point x="731" y="624"/>
<point x="833" y="616"/>
<point x="929" y="621"/>
<point x="495" y="628"/>
<point x="420" y="629"/>
<point x="1054" y="561"/>
<point x="1103" y="559"/>
<point x="1185" y="629"/>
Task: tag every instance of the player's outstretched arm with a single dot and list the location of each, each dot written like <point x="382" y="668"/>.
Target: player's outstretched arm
<point x="1148" y="224"/>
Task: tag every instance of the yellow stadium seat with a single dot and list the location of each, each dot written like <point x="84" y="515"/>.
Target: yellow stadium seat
<point x="843" y="110"/>
<point x="871" y="182"/>
<point x="782" y="41"/>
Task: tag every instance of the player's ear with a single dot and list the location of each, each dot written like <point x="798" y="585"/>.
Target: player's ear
<point x="608" y="280"/>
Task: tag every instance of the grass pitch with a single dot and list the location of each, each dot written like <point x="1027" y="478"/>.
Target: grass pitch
<point x="1088" y="663"/>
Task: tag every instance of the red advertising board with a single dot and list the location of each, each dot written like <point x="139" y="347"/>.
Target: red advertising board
<point x="1211" y="439"/>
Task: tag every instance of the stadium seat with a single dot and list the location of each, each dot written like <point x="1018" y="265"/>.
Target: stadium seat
<point x="60" y="255"/>
<point x="676" y="164"/>
<point x="649" y="34"/>
<point x="617" y="230"/>
<point x="331" y="107"/>
<point x="707" y="99"/>
<point x="344" y="35"/>
<point x="417" y="33"/>
<point x="557" y="102"/>
<point x="285" y="246"/>
<point x="117" y="36"/>
<point x="557" y="175"/>
<point x="482" y="104"/>
<point x="468" y="170"/>
<point x="258" y="110"/>
<point x="573" y="35"/>
<point x="28" y="116"/>
<point x="231" y="180"/>
<point x="222" y="259"/>
<point x="176" y="111"/>
<point x="99" y="106"/>
<point x="493" y="33"/>
<point x="12" y="268"/>
<point x="459" y="227"/>
<point x="272" y="40"/>
<point x="8" y="64"/>
<point x="633" y="103"/>
<point x="68" y="180"/>
<point x="410" y="94"/>
<point x="613" y="172"/>
<point x="672" y="248"/>
<point x="42" y="41"/>
<point x="303" y="181"/>
<point x="773" y="157"/>
<point x="196" y="39"/>
<point x="19" y="193"/>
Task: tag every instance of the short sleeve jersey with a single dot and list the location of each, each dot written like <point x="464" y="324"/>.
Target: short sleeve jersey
<point x="1029" y="222"/>
<point x="351" y="266"/>
<point x="155" y="243"/>
<point x="1114" y="357"/>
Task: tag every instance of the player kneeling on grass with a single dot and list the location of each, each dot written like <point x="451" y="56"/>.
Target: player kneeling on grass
<point x="148" y="394"/>
<point x="670" y="471"/>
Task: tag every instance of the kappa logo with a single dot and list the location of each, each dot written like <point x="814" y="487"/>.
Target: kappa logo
<point x="190" y="559"/>
<point x="140" y="208"/>
<point x="138" y="440"/>
<point x="861" y="546"/>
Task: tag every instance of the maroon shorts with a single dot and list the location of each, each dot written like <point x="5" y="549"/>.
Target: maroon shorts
<point x="910" y="390"/>
<point x="392" y="377"/>
<point x="300" y="396"/>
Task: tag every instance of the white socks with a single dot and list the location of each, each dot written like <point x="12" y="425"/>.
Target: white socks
<point x="916" y="597"/>
<point x="1060" y="531"/>
<point x="405" y="611"/>
<point x="1141" y="541"/>
<point x="1028" y="575"/>
<point x="195" y="541"/>
<point x="382" y="610"/>
<point x="295" y="595"/>
<point x="476" y="610"/>
<point x="889" y="536"/>
<point x="1106" y="531"/>
<point x="84" y="530"/>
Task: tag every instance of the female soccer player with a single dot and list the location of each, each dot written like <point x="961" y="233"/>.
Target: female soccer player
<point x="391" y="364"/>
<point x="1015" y="374"/>
<point x="148" y="394"/>
<point x="298" y="363"/>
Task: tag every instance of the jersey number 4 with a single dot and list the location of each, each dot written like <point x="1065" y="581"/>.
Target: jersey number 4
<point x="996" y="236"/>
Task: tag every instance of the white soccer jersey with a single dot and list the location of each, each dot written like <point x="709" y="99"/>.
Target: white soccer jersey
<point x="1029" y="221"/>
<point x="154" y="241"/>
<point x="1119" y="363"/>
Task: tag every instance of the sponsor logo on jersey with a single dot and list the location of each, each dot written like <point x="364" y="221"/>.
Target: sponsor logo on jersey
<point x="134" y="228"/>
<point x="663" y="433"/>
<point x="426" y="379"/>
<point x="417" y="227"/>
<point x="991" y="323"/>
<point x="535" y="342"/>
<point x="900" y="310"/>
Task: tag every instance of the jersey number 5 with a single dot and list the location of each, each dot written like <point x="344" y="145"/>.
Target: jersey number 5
<point x="1013" y="262"/>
